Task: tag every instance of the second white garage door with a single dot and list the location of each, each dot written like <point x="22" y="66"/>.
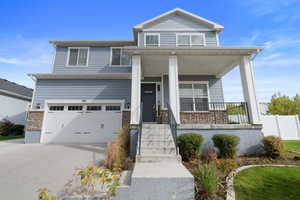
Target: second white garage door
<point x="77" y="123"/>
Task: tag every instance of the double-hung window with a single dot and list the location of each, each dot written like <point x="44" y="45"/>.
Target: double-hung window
<point x="78" y="56"/>
<point x="119" y="56"/>
<point x="193" y="96"/>
<point x="152" y="39"/>
<point x="190" y="39"/>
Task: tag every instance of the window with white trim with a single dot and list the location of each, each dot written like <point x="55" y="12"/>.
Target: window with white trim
<point x="190" y="39"/>
<point x="119" y="56"/>
<point x="78" y="56"/>
<point x="193" y="96"/>
<point x="152" y="39"/>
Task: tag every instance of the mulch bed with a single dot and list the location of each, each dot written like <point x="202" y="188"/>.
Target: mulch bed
<point x="290" y="158"/>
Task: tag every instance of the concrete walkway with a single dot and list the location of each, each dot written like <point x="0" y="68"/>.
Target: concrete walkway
<point x="24" y="168"/>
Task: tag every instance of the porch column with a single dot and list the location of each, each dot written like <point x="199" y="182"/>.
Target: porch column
<point x="174" y="88"/>
<point x="135" y="90"/>
<point x="247" y="77"/>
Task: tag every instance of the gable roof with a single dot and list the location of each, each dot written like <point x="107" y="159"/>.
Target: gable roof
<point x="182" y="12"/>
<point x="14" y="89"/>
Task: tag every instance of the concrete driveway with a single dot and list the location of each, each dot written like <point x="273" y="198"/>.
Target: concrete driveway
<point x="24" y="168"/>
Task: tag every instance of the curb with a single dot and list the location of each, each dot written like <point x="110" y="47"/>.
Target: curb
<point x="230" y="193"/>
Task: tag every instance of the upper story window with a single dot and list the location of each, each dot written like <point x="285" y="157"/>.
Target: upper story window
<point x="152" y="39"/>
<point x="78" y="56"/>
<point x="119" y="56"/>
<point x="190" y="39"/>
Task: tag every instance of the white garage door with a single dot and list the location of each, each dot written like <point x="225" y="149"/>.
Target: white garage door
<point x="89" y="123"/>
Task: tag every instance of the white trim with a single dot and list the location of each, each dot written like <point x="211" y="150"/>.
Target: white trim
<point x="138" y="38"/>
<point x="178" y="30"/>
<point x="156" y="96"/>
<point x="162" y="91"/>
<point x="146" y="34"/>
<point x="180" y="11"/>
<point x="87" y="61"/>
<point x="217" y="39"/>
<point x="110" y="62"/>
<point x="33" y="95"/>
<point x="53" y="58"/>
<point x="85" y="101"/>
<point x="190" y="36"/>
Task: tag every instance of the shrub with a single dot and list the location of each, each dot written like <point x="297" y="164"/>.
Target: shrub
<point x="227" y="165"/>
<point x="190" y="146"/>
<point x="227" y="144"/>
<point x="207" y="177"/>
<point x="117" y="151"/>
<point x="273" y="146"/>
<point x="18" y="129"/>
<point x="6" y="127"/>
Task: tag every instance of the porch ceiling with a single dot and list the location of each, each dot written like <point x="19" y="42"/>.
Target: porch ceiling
<point x="191" y="61"/>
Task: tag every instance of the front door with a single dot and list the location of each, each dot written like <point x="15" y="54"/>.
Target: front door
<point x="148" y="94"/>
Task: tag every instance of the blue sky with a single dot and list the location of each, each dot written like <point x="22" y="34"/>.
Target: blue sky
<point x="26" y="27"/>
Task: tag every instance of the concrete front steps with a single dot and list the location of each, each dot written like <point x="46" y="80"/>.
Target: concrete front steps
<point x="158" y="173"/>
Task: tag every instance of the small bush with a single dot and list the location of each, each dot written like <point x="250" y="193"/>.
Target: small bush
<point x="227" y="144"/>
<point x="273" y="146"/>
<point x="207" y="177"/>
<point x="227" y="165"/>
<point x="18" y="129"/>
<point x="190" y="146"/>
<point x="6" y="127"/>
<point x="117" y="151"/>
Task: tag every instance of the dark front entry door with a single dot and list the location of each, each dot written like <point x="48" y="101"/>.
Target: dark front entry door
<point x="148" y="94"/>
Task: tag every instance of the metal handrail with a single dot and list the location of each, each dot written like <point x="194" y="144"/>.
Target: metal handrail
<point x="140" y="127"/>
<point x="173" y="126"/>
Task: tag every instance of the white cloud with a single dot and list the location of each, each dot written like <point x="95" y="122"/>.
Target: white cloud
<point x="20" y="56"/>
<point x="267" y="7"/>
<point x="21" y="51"/>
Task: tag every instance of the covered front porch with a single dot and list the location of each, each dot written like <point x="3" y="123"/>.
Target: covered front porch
<point x="185" y="83"/>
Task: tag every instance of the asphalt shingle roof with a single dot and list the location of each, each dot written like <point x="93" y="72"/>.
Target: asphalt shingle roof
<point x="15" y="88"/>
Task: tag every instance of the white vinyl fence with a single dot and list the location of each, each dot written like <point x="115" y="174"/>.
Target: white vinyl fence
<point x="285" y="126"/>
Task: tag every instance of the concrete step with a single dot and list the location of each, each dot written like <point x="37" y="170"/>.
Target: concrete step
<point x="158" y="150"/>
<point x="152" y="158"/>
<point x="157" y="143"/>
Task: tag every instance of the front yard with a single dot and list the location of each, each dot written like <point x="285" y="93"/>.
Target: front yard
<point x="11" y="137"/>
<point x="292" y="145"/>
<point x="261" y="183"/>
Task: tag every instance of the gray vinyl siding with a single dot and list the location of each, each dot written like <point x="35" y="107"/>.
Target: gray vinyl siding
<point x="215" y="86"/>
<point x="177" y="22"/>
<point x="81" y="89"/>
<point x="168" y="38"/>
<point x="98" y="62"/>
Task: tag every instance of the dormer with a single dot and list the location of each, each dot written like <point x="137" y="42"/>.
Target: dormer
<point x="177" y="28"/>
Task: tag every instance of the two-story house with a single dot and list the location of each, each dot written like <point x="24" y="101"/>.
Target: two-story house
<point x="171" y="72"/>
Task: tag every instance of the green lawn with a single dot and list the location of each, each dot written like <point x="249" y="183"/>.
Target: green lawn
<point x="264" y="183"/>
<point x="11" y="137"/>
<point x="292" y="144"/>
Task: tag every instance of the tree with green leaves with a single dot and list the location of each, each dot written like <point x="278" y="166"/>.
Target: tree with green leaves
<point x="284" y="105"/>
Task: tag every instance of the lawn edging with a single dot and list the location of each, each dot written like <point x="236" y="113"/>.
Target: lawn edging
<point x="230" y="193"/>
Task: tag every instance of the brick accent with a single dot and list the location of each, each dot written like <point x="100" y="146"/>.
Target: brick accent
<point x="34" y="120"/>
<point x="125" y="117"/>
<point x="217" y="117"/>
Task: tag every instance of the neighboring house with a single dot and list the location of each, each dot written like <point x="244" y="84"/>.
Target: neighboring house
<point x="14" y="101"/>
<point x="174" y="61"/>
